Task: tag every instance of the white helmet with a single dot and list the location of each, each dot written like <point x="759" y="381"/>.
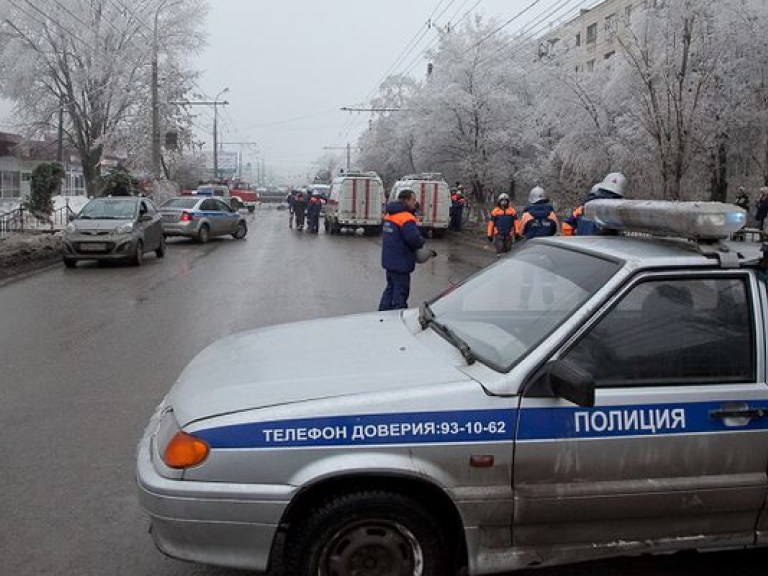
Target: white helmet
<point x="423" y="254"/>
<point x="615" y="183"/>
<point x="503" y="196"/>
<point x="537" y="194"/>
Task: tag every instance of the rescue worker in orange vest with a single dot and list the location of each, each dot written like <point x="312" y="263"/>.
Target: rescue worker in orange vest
<point x="501" y="226"/>
<point x="571" y="223"/>
<point x="611" y="188"/>
<point x="539" y="218"/>
<point x="401" y="238"/>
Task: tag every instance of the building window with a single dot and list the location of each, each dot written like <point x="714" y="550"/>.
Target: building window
<point x="592" y="33"/>
<point x="578" y="39"/>
<point x="10" y="184"/>
<point x="591" y="66"/>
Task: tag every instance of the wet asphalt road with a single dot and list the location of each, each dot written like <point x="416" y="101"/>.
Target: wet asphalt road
<point x="86" y="355"/>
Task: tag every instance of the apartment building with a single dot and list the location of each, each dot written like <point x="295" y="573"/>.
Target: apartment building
<point x="591" y="36"/>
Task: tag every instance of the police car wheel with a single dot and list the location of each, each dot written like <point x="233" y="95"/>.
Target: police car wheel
<point x="241" y="231"/>
<point x="204" y="234"/>
<point x="368" y="533"/>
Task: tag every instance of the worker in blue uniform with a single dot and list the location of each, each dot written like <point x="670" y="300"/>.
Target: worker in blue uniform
<point x="401" y="239"/>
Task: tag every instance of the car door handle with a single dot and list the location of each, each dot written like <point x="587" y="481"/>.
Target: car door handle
<point x="750" y="413"/>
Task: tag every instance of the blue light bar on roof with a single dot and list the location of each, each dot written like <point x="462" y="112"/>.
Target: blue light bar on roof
<point x="692" y="220"/>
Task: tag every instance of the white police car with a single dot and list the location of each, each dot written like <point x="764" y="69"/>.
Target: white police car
<point x="582" y="398"/>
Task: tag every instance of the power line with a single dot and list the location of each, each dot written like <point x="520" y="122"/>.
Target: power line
<point x="44" y="24"/>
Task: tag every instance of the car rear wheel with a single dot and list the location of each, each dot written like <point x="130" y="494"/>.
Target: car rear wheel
<point x="241" y="231"/>
<point x="367" y="533"/>
<point x="138" y="254"/>
<point x="204" y="234"/>
<point x="160" y="251"/>
<point x="69" y="262"/>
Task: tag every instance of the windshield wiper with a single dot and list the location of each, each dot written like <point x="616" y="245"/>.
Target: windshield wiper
<point x="427" y="318"/>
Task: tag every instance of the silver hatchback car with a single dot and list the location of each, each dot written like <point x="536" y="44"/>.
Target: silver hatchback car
<point x="201" y="217"/>
<point x="582" y="398"/>
<point x="114" y="228"/>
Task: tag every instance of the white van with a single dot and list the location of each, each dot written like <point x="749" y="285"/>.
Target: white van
<point x="434" y="197"/>
<point x="356" y="201"/>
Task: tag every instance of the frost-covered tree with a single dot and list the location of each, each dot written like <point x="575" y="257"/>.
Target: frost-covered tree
<point x="672" y="54"/>
<point x="92" y="57"/>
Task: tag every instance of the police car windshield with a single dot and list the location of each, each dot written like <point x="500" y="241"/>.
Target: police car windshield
<point x="507" y="310"/>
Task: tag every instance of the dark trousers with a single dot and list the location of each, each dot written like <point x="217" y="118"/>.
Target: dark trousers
<point x="503" y="243"/>
<point x="456" y="214"/>
<point x="395" y="296"/>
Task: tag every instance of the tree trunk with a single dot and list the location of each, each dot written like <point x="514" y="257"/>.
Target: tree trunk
<point x="91" y="170"/>
<point x="719" y="189"/>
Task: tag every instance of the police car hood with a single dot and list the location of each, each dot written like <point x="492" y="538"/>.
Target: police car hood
<point x="306" y="361"/>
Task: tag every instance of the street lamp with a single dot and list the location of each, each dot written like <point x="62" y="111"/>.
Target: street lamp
<point x="216" y="132"/>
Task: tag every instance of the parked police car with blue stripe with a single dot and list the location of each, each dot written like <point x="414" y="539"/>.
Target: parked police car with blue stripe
<point x="201" y="217"/>
<point x="582" y="398"/>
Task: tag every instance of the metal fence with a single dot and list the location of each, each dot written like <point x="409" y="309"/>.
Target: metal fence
<point x="21" y="220"/>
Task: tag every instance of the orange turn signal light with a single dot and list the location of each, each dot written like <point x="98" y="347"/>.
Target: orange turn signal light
<point x="185" y="450"/>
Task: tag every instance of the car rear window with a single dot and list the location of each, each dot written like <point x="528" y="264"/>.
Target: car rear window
<point x="180" y="203"/>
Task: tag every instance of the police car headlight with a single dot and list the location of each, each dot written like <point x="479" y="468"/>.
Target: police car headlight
<point x="124" y="229"/>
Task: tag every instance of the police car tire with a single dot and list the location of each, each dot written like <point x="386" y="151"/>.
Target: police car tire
<point x="332" y="526"/>
<point x="203" y="234"/>
<point x="241" y="231"/>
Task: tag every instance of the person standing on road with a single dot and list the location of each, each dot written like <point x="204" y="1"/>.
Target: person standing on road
<point x="300" y="210"/>
<point x="401" y="239"/>
<point x="742" y="199"/>
<point x="611" y="188"/>
<point x="762" y="207"/>
<point x="456" y="210"/>
<point x="539" y="217"/>
<point x="290" y="198"/>
<point x="501" y="226"/>
<point x="313" y="212"/>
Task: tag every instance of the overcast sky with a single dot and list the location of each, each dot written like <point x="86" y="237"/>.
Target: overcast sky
<point x="291" y="64"/>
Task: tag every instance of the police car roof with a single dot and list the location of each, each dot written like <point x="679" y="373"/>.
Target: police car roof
<point x="655" y="252"/>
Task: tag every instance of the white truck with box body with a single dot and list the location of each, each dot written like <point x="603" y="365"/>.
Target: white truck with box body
<point x="434" y="197"/>
<point x="356" y="202"/>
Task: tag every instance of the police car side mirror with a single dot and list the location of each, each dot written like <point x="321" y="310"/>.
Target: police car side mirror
<point x="564" y="379"/>
<point x="571" y="382"/>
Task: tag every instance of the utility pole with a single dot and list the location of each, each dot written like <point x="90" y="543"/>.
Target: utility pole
<point x="348" y="148"/>
<point x="215" y="103"/>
